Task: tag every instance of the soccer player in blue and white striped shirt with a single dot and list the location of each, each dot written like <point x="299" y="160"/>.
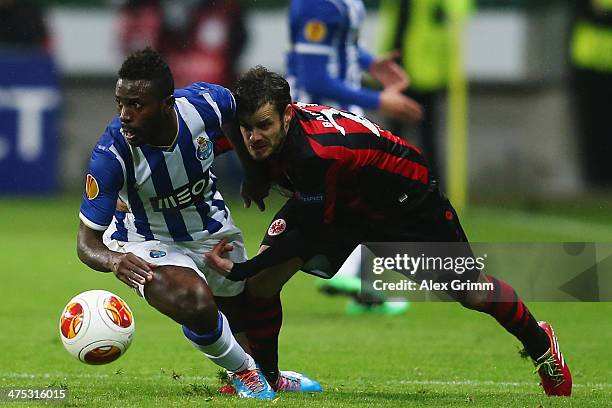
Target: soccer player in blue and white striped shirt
<point x="326" y="61"/>
<point x="155" y="156"/>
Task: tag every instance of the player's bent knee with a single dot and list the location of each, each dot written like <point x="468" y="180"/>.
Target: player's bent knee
<point x="182" y="295"/>
<point x="195" y="302"/>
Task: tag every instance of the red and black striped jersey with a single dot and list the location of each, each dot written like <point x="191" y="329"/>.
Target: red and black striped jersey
<point x="348" y="165"/>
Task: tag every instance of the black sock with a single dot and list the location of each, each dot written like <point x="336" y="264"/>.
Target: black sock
<point x="510" y="311"/>
<point x="265" y="316"/>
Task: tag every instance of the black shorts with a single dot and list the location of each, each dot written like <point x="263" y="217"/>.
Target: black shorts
<point x="432" y="220"/>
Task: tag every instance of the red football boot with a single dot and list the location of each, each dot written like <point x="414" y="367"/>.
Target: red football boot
<point x="554" y="372"/>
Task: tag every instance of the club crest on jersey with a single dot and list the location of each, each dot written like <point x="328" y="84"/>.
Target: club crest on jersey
<point x="205" y="147"/>
<point x="91" y="187"/>
<point x="157" y="254"/>
<point x="277" y="227"/>
<point x="315" y="31"/>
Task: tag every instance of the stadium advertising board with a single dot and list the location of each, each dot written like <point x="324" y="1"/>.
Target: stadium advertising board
<point x="29" y="101"/>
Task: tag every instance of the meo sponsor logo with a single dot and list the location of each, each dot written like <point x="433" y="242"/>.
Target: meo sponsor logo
<point x="182" y="197"/>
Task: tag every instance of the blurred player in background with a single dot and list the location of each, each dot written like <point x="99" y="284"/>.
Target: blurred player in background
<point x="325" y="65"/>
<point x="155" y="156"/>
<point x="326" y="61"/>
<point x="201" y="39"/>
<point x="352" y="182"/>
<point x="420" y="31"/>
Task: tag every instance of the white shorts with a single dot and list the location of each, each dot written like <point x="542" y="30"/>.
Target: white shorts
<point x="189" y="254"/>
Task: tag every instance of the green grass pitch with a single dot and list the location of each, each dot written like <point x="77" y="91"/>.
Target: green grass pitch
<point x="437" y="355"/>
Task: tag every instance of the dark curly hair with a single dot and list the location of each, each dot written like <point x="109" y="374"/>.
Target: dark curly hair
<point x="148" y="64"/>
<point x="259" y="86"/>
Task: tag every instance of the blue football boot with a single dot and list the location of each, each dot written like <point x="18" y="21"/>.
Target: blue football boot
<point x="290" y="381"/>
<point x="252" y="384"/>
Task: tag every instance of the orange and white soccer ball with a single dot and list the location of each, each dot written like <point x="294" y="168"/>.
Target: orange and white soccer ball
<point x="96" y="327"/>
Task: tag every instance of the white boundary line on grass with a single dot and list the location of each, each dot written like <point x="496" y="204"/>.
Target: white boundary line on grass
<point x="100" y="376"/>
<point x="478" y="383"/>
<point x="474" y="383"/>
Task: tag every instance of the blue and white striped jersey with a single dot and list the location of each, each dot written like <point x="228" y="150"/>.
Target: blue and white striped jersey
<point x="171" y="193"/>
<point x="325" y="38"/>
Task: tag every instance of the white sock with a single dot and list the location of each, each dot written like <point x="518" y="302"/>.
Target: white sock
<point x="226" y="352"/>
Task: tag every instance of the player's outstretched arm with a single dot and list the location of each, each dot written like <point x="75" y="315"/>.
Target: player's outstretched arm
<point x="318" y="82"/>
<point x="292" y="247"/>
<point x="390" y="102"/>
<point x="128" y="268"/>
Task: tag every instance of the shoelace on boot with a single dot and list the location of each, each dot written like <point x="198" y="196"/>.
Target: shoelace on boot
<point x="287" y="383"/>
<point x="552" y="369"/>
<point x="252" y="380"/>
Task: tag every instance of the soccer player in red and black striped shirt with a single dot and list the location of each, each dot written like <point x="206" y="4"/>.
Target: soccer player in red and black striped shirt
<point x="350" y="182"/>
